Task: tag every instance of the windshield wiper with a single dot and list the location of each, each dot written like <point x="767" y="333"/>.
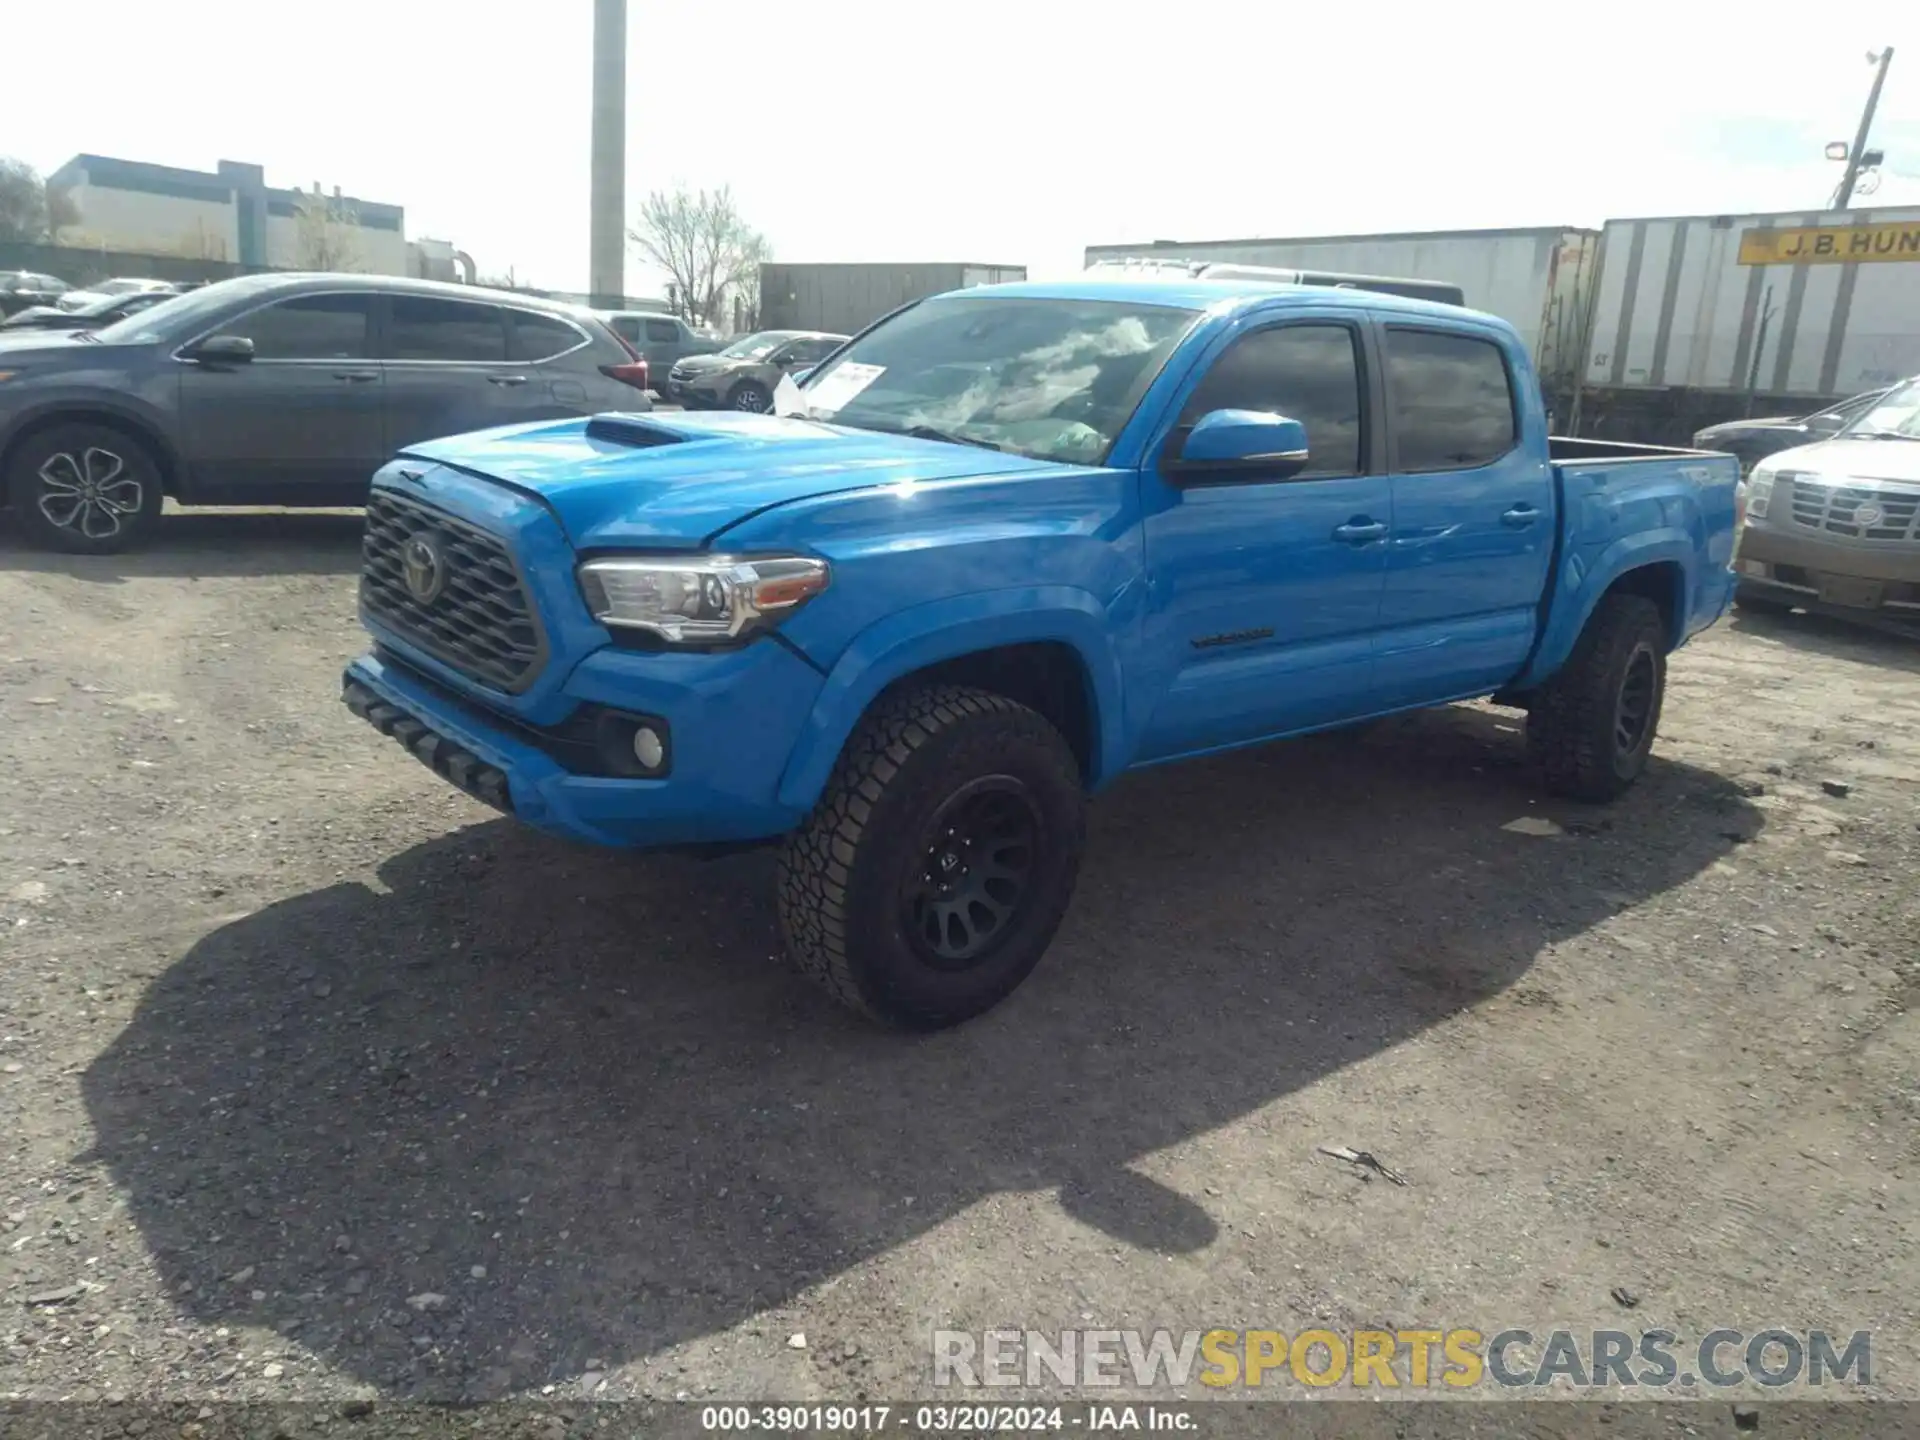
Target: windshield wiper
<point x="86" y="335"/>
<point x="1882" y="435"/>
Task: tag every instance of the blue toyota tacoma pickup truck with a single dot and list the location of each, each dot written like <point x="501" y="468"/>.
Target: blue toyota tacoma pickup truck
<point x="1015" y="542"/>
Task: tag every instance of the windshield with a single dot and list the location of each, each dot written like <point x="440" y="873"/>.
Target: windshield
<point x="1051" y="379"/>
<point x="1896" y="414"/>
<point x="754" y="347"/>
<point x="179" y="317"/>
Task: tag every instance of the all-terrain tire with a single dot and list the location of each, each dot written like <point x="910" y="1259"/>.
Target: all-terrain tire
<point x="1591" y="727"/>
<point x="84" y="488"/>
<point x="845" y="876"/>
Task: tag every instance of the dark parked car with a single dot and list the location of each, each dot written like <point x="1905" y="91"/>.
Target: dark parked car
<point x="742" y="376"/>
<point x="101" y="312"/>
<point x="1754" y="440"/>
<point x="280" y="390"/>
<point x="661" y="340"/>
<point x="20" y="289"/>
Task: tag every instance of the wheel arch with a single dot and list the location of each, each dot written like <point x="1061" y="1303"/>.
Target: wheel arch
<point x="134" y="426"/>
<point x="1048" y="648"/>
<point x="1658" y="566"/>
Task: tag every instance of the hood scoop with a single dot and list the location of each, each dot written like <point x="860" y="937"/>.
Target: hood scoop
<point x="631" y="431"/>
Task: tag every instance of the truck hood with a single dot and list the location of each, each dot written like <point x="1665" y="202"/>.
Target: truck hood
<point x="672" y="480"/>
<point x="1854" y="460"/>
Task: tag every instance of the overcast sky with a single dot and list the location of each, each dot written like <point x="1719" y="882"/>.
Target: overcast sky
<point x="986" y="131"/>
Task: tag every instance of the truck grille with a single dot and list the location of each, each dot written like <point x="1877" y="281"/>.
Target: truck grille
<point x="468" y="610"/>
<point x="1855" y="511"/>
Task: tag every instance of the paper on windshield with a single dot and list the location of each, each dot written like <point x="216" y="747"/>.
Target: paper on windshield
<point x="829" y="394"/>
<point x="787" y="399"/>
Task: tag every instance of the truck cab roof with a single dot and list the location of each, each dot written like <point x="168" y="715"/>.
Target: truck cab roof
<point x="1224" y="294"/>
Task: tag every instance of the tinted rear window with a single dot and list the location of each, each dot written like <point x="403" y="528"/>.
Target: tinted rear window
<point x="541" y="337"/>
<point x="1451" y="400"/>
<point x="429" y="329"/>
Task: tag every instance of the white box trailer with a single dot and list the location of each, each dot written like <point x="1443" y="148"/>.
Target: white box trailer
<point x="1809" y="304"/>
<point x="1535" y="279"/>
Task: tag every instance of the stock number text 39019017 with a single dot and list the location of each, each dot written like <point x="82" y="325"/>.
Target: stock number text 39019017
<point x="870" y="1419"/>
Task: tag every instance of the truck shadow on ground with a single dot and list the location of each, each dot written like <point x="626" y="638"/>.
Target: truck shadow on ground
<point x="209" y="543"/>
<point x="582" y="1071"/>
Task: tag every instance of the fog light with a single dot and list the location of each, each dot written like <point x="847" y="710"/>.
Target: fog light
<point x="648" y="748"/>
<point x="1755" y="568"/>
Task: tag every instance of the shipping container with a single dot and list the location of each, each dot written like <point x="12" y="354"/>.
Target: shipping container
<point x="1535" y="279"/>
<point x="1811" y="304"/>
<point x="843" y="299"/>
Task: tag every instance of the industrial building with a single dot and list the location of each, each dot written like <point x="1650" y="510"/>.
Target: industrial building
<point x="227" y="214"/>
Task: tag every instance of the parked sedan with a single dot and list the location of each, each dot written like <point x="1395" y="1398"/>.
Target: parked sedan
<point x="75" y="299"/>
<point x="742" y="376"/>
<point x="104" y="311"/>
<point x="1754" y="440"/>
<point x="279" y="390"/>
<point x="22" y="289"/>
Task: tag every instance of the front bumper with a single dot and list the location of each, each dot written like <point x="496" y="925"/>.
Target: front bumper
<point x="1807" y="569"/>
<point x="734" y="719"/>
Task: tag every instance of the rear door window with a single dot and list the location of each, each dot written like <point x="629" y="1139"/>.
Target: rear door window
<point x="541" y="337"/>
<point x="1450" y="398"/>
<point x="425" y="328"/>
<point x="307" y="327"/>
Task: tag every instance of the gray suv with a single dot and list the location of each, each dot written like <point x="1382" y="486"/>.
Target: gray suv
<point x="280" y="390"/>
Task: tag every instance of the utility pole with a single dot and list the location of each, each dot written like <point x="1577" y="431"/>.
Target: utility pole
<point x="1843" y="199"/>
<point x="607" y="225"/>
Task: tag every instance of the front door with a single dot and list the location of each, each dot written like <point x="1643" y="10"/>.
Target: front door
<point x="1473" y="518"/>
<point x="301" y="422"/>
<point x="1265" y="591"/>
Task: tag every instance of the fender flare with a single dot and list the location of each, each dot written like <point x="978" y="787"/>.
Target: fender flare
<point x="924" y="635"/>
<point x="1581" y="585"/>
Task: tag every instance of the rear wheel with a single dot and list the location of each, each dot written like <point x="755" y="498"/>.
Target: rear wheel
<point x="751" y="395"/>
<point x="1591" y="727"/>
<point x="937" y="866"/>
<point x="85" y="488"/>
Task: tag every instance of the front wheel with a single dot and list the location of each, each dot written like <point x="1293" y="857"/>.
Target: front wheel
<point x="752" y="396"/>
<point x="84" y="488"/>
<point x="1591" y="726"/>
<point x="933" y="873"/>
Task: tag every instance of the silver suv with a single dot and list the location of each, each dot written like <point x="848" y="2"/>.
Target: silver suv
<point x="1835" y="526"/>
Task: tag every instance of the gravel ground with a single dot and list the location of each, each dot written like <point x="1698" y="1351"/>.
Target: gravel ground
<point x="319" y="1082"/>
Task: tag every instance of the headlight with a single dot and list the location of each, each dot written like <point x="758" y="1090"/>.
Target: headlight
<point x="700" y="599"/>
<point x="1759" y="492"/>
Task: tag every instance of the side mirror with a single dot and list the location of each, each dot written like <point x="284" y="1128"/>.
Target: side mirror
<point x="800" y="375"/>
<point x="1250" y="442"/>
<point x="222" y="350"/>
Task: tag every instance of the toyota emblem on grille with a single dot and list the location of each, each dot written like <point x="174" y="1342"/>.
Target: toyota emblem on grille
<point x="425" y="568"/>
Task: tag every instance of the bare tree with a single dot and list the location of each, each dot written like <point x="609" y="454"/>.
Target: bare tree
<point x="701" y="240"/>
<point x="23" y="202"/>
<point x="326" y="235"/>
<point x="63" y="213"/>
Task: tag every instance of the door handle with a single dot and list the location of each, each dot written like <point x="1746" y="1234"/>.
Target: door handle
<point x="1519" y="517"/>
<point x="506" y="379"/>
<point x="356" y="377"/>
<point x="1359" y="531"/>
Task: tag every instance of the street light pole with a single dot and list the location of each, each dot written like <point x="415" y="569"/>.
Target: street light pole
<point x="1843" y="198"/>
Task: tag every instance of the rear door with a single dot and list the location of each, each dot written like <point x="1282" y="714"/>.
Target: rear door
<point x="447" y="369"/>
<point x="556" y="353"/>
<point x="1473" y="520"/>
<point x="302" y="422"/>
<point x="1265" y="591"/>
